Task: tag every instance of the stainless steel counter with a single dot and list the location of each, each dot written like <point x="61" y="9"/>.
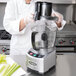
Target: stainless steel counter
<point x="65" y="66"/>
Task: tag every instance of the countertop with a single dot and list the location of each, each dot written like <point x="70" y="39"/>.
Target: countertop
<point x="65" y="65"/>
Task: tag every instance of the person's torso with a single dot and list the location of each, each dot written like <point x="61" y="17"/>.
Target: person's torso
<point x="22" y="42"/>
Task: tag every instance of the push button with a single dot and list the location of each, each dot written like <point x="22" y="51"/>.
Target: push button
<point x="31" y="53"/>
<point x="34" y="55"/>
<point x="39" y="56"/>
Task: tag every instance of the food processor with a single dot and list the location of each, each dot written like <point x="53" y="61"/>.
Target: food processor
<point x="42" y="56"/>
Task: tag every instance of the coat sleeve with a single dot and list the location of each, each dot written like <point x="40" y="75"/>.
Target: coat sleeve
<point x="10" y="22"/>
<point x="63" y="22"/>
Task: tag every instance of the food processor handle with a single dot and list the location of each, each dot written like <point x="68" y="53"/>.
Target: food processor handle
<point x="33" y="40"/>
<point x="36" y="16"/>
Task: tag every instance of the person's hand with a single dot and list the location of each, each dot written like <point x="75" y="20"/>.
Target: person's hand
<point x="25" y="21"/>
<point x="29" y="19"/>
<point x="60" y="18"/>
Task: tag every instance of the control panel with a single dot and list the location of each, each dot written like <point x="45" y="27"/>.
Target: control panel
<point x="35" y="55"/>
<point x="68" y="41"/>
<point x="5" y="49"/>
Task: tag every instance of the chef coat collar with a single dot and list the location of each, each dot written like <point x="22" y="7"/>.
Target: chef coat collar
<point x="30" y="2"/>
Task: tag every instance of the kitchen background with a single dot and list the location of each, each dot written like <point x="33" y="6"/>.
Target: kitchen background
<point x="65" y="39"/>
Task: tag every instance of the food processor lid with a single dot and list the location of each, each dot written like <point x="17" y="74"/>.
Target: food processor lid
<point x="42" y="1"/>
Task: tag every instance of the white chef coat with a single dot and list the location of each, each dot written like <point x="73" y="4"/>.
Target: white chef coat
<point x="21" y="40"/>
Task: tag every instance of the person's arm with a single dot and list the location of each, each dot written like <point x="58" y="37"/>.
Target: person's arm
<point x="12" y="23"/>
<point x="22" y="24"/>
